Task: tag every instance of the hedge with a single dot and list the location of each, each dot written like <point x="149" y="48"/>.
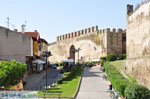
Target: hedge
<point x="122" y="56"/>
<point x="119" y="82"/>
<point x="103" y="58"/>
<point x="111" y="57"/>
<point x="135" y="91"/>
<point x="61" y="64"/>
<point x="123" y="86"/>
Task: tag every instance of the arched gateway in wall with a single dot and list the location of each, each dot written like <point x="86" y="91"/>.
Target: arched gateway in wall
<point x="72" y="52"/>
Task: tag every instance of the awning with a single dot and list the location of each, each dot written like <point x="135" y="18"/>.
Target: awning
<point x="95" y="60"/>
<point x="69" y="60"/>
<point x="38" y="61"/>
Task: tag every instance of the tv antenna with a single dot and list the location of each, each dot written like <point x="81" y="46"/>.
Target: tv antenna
<point x="25" y="23"/>
<point x="8" y="22"/>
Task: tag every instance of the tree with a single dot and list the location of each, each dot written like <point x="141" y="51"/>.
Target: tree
<point x="11" y="73"/>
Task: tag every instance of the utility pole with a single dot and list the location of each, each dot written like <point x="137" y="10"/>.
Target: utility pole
<point x="78" y="53"/>
<point x="46" y="54"/>
<point x="46" y="72"/>
<point x="77" y="50"/>
<point x="8" y="22"/>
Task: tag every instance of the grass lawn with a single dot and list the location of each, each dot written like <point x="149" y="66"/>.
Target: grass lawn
<point x="68" y="86"/>
<point x="120" y="65"/>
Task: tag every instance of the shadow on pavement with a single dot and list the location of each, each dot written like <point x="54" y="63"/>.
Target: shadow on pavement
<point x="89" y="73"/>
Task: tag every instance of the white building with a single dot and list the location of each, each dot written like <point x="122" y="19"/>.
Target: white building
<point x="15" y="45"/>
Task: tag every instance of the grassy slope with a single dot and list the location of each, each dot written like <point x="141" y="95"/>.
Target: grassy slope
<point x="68" y="88"/>
<point x="120" y="65"/>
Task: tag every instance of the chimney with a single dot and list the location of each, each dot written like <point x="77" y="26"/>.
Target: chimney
<point x="23" y="28"/>
<point x="35" y="31"/>
<point x="16" y="30"/>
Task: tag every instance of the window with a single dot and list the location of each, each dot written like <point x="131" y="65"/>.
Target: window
<point x="39" y="47"/>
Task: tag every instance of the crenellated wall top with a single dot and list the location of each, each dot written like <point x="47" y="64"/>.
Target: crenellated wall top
<point x="78" y="33"/>
<point x="141" y="8"/>
<point x="88" y="31"/>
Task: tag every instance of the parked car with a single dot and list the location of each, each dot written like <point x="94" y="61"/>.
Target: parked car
<point x="89" y="64"/>
<point x="53" y="66"/>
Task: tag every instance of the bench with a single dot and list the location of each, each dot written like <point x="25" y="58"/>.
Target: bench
<point x="51" y="92"/>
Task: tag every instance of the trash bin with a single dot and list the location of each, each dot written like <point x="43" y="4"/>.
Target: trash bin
<point x="110" y="86"/>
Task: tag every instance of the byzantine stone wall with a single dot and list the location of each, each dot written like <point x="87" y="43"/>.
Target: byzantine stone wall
<point x="115" y="41"/>
<point x="92" y="42"/>
<point x="15" y="45"/>
<point x="138" y="42"/>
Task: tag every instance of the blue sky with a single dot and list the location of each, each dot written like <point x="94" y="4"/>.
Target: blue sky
<point x="56" y="17"/>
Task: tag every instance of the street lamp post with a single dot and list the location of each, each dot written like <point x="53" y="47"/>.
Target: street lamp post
<point x="77" y="50"/>
<point x="46" y="54"/>
<point x="78" y="53"/>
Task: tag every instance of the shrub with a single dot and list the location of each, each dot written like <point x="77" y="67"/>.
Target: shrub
<point x="84" y="63"/>
<point x="11" y="73"/>
<point x="60" y="81"/>
<point x="62" y="64"/>
<point x="111" y="57"/>
<point x="122" y="56"/>
<point x="135" y="91"/>
<point x="121" y="88"/>
<point x="75" y="71"/>
<point x="103" y="58"/>
<point x="119" y="82"/>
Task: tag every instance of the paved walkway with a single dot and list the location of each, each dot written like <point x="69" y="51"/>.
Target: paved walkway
<point x="93" y="86"/>
<point x="37" y="81"/>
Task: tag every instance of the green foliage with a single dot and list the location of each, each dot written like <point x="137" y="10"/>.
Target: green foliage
<point x="62" y="64"/>
<point x="132" y="79"/>
<point x="135" y="91"/>
<point x="67" y="86"/>
<point x="119" y="82"/>
<point x="93" y="63"/>
<point x="75" y="71"/>
<point x="122" y="56"/>
<point x="103" y="58"/>
<point x="84" y="63"/>
<point x="111" y="57"/>
<point x="11" y="73"/>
